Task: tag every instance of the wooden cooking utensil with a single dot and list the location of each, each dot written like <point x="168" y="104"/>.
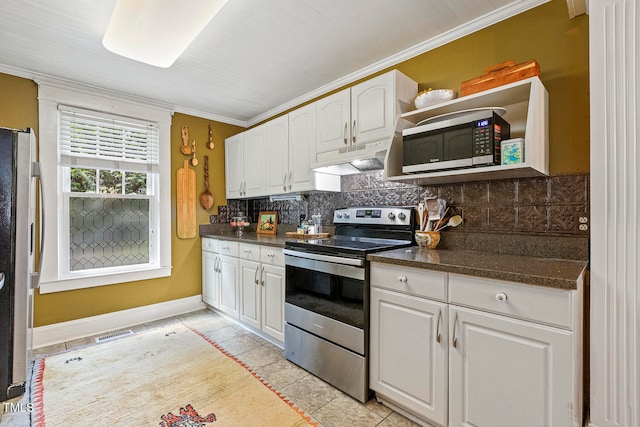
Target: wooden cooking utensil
<point x="194" y="161"/>
<point x="186" y="150"/>
<point x="206" y="198"/>
<point x="186" y="202"/>
<point x="210" y="144"/>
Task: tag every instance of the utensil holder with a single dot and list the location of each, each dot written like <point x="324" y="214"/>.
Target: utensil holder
<point x="427" y="239"/>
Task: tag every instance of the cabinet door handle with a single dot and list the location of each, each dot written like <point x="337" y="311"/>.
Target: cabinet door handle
<point x="1" y="280"/>
<point x="455" y="339"/>
<point x="290" y="180"/>
<point x="344" y="136"/>
<point x="402" y="279"/>
<point x="353" y="132"/>
<point x="215" y="265"/>
<point x="262" y="276"/>
<point x="255" y="276"/>
<point x="501" y="297"/>
<point x="438" y="335"/>
<point x="284" y="182"/>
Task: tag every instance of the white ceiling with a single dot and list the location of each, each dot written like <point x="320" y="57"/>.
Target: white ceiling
<point x="255" y="59"/>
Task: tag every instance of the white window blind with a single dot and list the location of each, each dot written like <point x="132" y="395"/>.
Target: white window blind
<point x="108" y="141"/>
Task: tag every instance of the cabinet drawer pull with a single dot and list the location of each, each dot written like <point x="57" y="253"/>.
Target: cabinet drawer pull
<point x="402" y="279"/>
<point x="501" y="297"/>
<point x="438" y="336"/>
<point x="455" y="339"/>
<point x="271" y="255"/>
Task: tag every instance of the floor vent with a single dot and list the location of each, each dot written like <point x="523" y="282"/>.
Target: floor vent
<point x="114" y="335"/>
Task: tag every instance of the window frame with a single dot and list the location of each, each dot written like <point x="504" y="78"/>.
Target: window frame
<point x="54" y="274"/>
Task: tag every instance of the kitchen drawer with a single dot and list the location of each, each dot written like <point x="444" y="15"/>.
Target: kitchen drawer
<point x="226" y="247"/>
<point x="536" y="303"/>
<point x="409" y="280"/>
<point x="249" y="252"/>
<point x="209" y="245"/>
<point x="272" y="256"/>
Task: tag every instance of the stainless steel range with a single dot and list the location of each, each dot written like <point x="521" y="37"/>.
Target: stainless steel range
<point x="327" y="294"/>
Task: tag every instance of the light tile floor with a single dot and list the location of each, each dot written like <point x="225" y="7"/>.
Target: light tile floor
<point x="324" y="403"/>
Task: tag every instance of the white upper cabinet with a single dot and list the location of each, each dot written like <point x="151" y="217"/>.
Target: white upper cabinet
<point x="234" y="166"/>
<point x="254" y="149"/>
<point x="372" y="109"/>
<point x="277" y="154"/>
<point x="334" y="116"/>
<point x="361" y="119"/>
<point x="275" y="158"/>
<point x="302" y="138"/>
<point x="244" y="164"/>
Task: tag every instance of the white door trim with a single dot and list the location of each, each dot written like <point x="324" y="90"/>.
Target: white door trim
<point x="614" y="51"/>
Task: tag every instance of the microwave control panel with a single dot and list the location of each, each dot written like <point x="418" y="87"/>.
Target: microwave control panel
<point x="487" y="134"/>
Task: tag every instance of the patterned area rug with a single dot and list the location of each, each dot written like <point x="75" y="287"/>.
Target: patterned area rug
<point x="169" y="377"/>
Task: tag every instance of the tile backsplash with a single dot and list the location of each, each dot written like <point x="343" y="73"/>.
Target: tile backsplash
<point x="548" y="205"/>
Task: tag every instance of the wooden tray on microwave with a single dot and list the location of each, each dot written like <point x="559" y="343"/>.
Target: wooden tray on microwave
<point x="500" y="74"/>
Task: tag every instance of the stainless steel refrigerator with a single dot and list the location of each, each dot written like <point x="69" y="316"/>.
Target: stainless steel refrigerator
<point x="17" y="250"/>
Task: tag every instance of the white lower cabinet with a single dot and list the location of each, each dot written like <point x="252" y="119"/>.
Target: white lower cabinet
<point x="408" y="359"/>
<point x="228" y="274"/>
<point x="246" y="282"/>
<point x="210" y="279"/>
<point x="508" y="354"/>
<point x="506" y="372"/>
<point x="249" y="285"/>
<point x="273" y="301"/>
<point x="260" y="290"/>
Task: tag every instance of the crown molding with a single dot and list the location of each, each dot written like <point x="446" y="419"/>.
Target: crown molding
<point x="464" y="30"/>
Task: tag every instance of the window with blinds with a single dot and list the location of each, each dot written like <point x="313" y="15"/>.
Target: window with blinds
<point x="104" y="140"/>
<point x="109" y="166"/>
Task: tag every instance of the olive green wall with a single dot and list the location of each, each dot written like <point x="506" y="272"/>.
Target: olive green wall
<point x="19" y="109"/>
<point x="186" y="275"/>
<point x="560" y="46"/>
<point x="18" y="103"/>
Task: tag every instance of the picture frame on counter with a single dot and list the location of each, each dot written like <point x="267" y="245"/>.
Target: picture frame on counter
<point x="267" y="222"/>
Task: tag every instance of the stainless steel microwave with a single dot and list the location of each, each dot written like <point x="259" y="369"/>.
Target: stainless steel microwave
<point x="456" y="140"/>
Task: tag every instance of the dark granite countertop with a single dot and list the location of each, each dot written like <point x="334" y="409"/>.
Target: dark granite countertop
<point x="549" y="272"/>
<point x="249" y="237"/>
<point x="522" y="268"/>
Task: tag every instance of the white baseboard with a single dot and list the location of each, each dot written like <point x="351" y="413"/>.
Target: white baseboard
<point x="87" y="326"/>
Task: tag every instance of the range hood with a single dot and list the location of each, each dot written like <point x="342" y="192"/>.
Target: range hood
<point x="352" y="160"/>
<point x="358" y="158"/>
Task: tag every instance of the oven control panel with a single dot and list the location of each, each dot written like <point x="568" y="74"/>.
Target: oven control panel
<point x="380" y="216"/>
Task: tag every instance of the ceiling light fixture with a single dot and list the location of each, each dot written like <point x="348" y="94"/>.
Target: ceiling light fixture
<point x="156" y="32"/>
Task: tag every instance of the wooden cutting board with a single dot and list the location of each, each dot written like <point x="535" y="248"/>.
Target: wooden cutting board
<point x="186" y="202"/>
<point x="295" y="235"/>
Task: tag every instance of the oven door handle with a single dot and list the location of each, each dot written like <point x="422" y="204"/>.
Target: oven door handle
<point x="328" y="258"/>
